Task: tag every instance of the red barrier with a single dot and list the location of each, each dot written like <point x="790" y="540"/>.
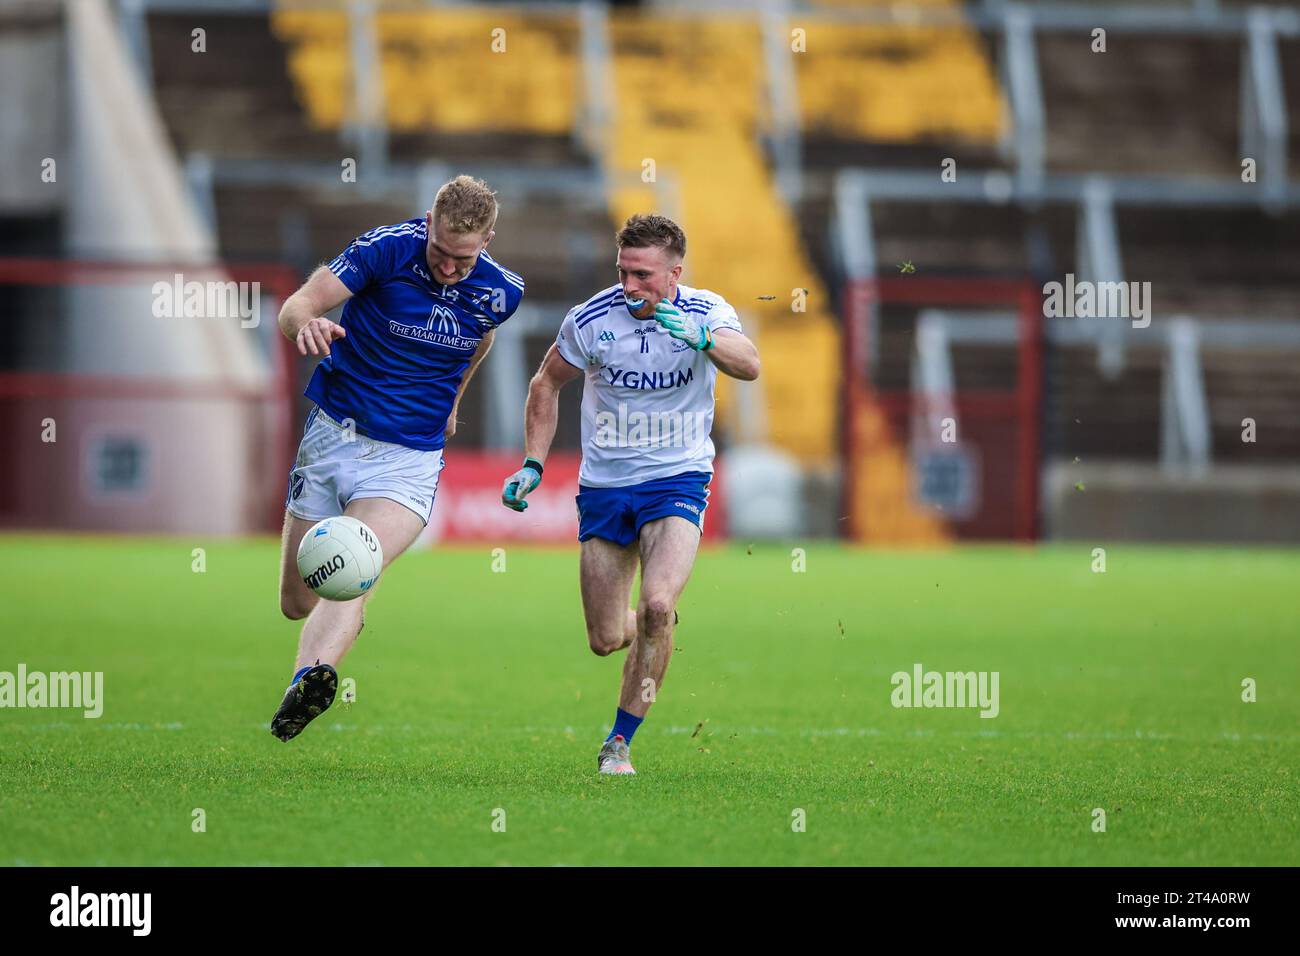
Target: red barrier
<point x="1002" y="424"/>
<point x="468" y="505"/>
<point x="48" y="484"/>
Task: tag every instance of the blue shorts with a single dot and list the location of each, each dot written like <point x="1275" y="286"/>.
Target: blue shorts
<point x="617" y="514"/>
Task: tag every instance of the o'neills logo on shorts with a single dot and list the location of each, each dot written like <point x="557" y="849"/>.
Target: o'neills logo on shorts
<point x="321" y="574"/>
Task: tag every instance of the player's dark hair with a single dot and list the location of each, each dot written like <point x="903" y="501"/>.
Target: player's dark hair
<point x="647" y="229"/>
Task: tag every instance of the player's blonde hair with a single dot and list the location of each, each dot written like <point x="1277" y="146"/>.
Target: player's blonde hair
<point x="466" y="206"/>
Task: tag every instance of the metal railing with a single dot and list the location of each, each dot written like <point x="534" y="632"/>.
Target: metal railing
<point x="1095" y="196"/>
<point x="368" y="127"/>
<point x="1184" y="409"/>
<point x="595" y="96"/>
<point x="1263" y="105"/>
<point x="782" y="96"/>
<point x="1019" y="70"/>
<point x="1185" y="445"/>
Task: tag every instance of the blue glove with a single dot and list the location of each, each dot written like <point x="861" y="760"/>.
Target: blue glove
<point x="520" y="484"/>
<point x="682" y="326"/>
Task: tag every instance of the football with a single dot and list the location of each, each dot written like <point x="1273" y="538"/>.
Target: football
<point x="340" y="558"/>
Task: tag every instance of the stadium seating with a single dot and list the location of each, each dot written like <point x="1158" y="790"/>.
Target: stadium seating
<point x="1154" y="105"/>
<point x="440" y="69"/>
<point x="899" y="83"/>
<point x="287" y="99"/>
<point x="687" y="91"/>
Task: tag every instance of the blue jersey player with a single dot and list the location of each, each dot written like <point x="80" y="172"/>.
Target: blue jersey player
<point x="423" y="302"/>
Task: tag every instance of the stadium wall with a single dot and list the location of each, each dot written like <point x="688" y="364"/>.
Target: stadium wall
<point x="1131" y="501"/>
<point x="32" y="94"/>
<point x="155" y="430"/>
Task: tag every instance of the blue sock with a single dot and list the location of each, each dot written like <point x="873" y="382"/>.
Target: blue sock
<point x="298" y="676"/>
<point x="625" y="724"/>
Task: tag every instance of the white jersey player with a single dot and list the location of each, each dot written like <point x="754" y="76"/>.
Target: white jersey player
<point x="651" y="350"/>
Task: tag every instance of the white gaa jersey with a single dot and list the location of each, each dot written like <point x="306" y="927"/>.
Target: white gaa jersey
<point x="647" y="403"/>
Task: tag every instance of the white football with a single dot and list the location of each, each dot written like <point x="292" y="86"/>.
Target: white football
<point x="340" y="558"/>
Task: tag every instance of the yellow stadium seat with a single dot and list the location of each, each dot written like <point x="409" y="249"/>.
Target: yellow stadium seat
<point x="443" y="69"/>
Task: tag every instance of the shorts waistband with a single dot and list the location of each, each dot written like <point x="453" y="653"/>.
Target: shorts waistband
<point x="704" y="477"/>
<point x="317" y="411"/>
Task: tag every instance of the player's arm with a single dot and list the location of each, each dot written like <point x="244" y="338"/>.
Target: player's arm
<point x="480" y="353"/>
<point x="541" y="414"/>
<point x="734" y="354"/>
<point x="302" y="317"/>
<point x="728" y="349"/>
<point x="542" y="411"/>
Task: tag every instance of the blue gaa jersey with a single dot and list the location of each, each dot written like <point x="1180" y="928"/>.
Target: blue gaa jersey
<point x="409" y="338"/>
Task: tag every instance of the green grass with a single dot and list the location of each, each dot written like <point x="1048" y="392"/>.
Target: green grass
<point x="475" y="691"/>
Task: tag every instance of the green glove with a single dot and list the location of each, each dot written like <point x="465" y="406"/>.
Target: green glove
<point x="682" y="326"/>
<point x="519" y="484"/>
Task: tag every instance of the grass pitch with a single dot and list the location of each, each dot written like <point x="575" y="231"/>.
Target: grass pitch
<point x="477" y="702"/>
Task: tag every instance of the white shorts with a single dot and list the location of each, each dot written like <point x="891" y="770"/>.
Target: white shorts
<point x="335" y="466"/>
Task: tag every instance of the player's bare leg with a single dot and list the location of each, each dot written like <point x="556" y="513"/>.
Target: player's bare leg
<point x="296" y="599"/>
<point x="668" y="547"/>
<point x="606" y="572"/>
<point x="331" y="627"/>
